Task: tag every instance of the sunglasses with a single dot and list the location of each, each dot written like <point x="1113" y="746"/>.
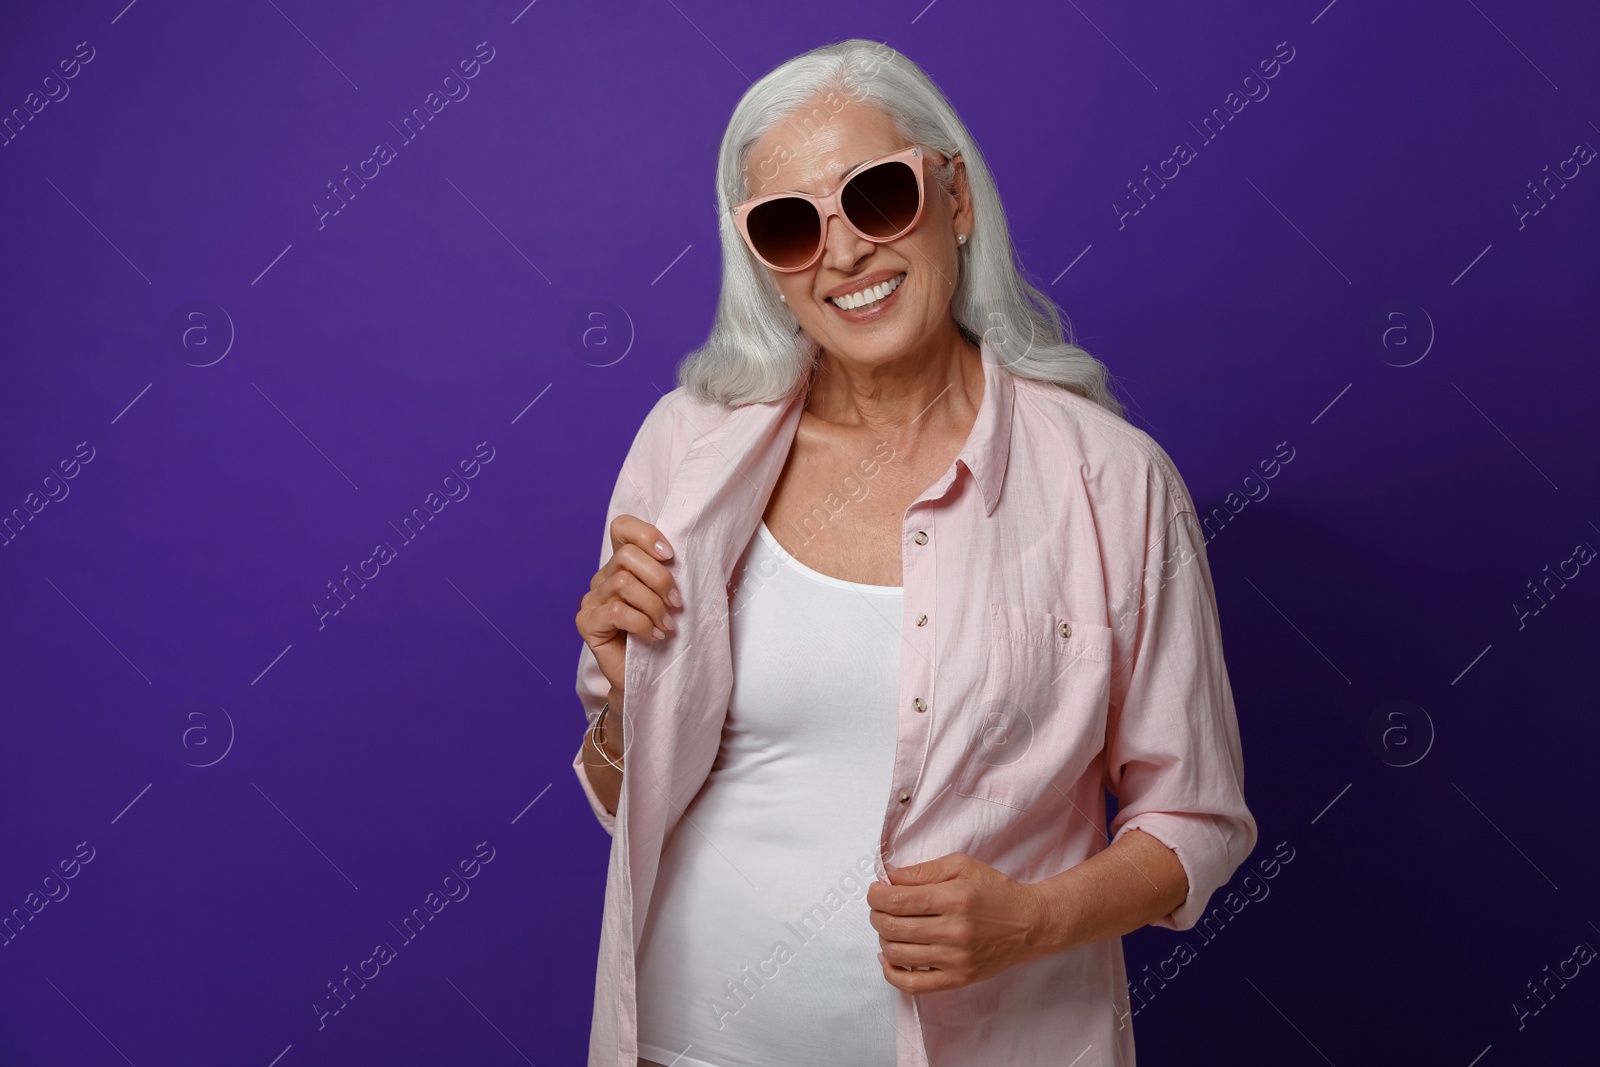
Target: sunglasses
<point x="880" y="200"/>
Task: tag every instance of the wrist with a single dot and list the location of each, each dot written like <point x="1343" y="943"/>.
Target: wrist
<point x="1051" y="919"/>
<point x="605" y="733"/>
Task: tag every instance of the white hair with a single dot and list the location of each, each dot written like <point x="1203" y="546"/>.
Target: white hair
<point x="756" y="350"/>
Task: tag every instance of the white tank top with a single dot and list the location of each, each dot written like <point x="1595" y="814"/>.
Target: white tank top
<point x="757" y="949"/>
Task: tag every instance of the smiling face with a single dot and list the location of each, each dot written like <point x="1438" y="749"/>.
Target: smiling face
<point x="916" y="316"/>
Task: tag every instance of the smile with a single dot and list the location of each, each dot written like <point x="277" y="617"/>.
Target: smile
<point x="868" y="298"/>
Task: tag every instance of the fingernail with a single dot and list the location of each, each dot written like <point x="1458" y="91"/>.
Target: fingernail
<point x="663" y="550"/>
<point x="674" y="599"/>
<point x="656" y="632"/>
<point x="666" y="620"/>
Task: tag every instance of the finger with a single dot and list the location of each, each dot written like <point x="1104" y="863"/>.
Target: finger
<point x="904" y="899"/>
<point x="630" y="529"/>
<point x="901" y="954"/>
<point x="919" y="930"/>
<point x="935" y="870"/>
<point x="913" y="981"/>
<point x="605" y="618"/>
<point x="649" y="570"/>
<point x="642" y="582"/>
<point x="897" y="978"/>
<point x="623" y="581"/>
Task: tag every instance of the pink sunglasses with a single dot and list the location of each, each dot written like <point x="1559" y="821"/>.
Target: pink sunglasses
<point x="880" y="200"/>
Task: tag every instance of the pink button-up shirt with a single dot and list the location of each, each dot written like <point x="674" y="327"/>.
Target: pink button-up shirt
<point x="1071" y="646"/>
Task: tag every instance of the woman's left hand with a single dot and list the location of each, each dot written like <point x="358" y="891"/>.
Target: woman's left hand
<point x="958" y="916"/>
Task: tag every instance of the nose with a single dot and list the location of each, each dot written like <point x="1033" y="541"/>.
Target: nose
<point x="843" y="248"/>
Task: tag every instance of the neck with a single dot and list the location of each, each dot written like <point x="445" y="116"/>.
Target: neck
<point x="932" y="384"/>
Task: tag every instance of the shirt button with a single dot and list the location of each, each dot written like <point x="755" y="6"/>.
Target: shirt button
<point x="920" y="537"/>
<point x="922" y="620"/>
<point x="1064" y="630"/>
<point x="904" y="796"/>
<point x="919" y="704"/>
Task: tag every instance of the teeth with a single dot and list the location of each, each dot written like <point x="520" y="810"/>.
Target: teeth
<point x="852" y="301"/>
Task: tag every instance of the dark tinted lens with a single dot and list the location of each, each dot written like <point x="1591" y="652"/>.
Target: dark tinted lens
<point x="786" y="232"/>
<point x="882" y="200"/>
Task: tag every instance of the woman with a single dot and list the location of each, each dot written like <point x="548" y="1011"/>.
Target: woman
<point x="906" y="598"/>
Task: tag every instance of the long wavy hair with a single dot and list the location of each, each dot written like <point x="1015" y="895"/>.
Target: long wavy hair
<point x="756" y="350"/>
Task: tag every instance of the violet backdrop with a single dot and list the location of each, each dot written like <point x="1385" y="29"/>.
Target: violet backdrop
<point x="224" y="385"/>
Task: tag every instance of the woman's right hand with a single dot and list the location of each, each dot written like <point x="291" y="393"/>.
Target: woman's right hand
<point x="633" y="593"/>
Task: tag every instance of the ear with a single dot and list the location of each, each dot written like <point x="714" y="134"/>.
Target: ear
<point x="961" y="194"/>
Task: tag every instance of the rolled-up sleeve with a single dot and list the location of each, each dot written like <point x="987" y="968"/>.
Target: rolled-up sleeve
<point x="1173" y="757"/>
<point x="630" y="496"/>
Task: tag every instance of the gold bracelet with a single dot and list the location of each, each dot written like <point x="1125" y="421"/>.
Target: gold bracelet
<point x="596" y="734"/>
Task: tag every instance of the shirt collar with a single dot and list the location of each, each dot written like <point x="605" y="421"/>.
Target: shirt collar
<point x="988" y="447"/>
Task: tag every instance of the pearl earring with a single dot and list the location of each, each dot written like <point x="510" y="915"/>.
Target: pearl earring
<point x="961" y="238"/>
<point x="783" y="298"/>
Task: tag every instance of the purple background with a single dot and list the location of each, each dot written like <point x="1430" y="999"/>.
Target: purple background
<point x="160" y="616"/>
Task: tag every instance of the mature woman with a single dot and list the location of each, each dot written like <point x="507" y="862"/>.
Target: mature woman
<point x="890" y="597"/>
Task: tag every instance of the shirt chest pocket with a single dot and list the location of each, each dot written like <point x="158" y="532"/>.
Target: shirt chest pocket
<point x="1040" y="711"/>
